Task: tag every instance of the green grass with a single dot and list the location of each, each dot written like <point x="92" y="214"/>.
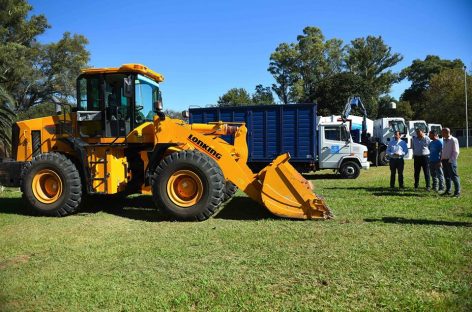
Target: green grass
<point x="383" y="251"/>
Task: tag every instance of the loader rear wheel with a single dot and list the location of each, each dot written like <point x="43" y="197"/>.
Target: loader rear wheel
<point x="188" y="185"/>
<point x="229" y="191"/>
<point x="51" y="185"/>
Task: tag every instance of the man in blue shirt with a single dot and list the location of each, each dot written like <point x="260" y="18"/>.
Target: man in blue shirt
<point x="435" y="167"/>
<point x="396" y="150"/>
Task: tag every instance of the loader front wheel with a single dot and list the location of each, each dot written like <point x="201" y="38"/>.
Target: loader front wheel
<point x="229" y="191"/>
<point x="51" y="185"/>
<point x="188" y="185"/>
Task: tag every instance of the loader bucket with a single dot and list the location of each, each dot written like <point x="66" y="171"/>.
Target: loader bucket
<point x="287" y="194"/>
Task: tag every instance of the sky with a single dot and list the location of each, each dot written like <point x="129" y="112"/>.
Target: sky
<point x="205" y="48"/>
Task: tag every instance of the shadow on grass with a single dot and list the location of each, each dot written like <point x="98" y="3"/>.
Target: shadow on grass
<point x="142" y="208"/>
<point x="398" y="220"/>
<point x="243" y="208"/>
<point x="14" y="206"/>
<point x="385" y="191"/>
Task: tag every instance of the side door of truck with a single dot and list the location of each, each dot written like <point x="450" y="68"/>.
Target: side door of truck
<point x="334" y="145"/>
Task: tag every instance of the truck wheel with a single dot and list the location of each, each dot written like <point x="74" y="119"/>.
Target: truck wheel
<point x="51" y="185"/>
<point x="350" y="170"/>
<point x="383" y="158"/>
<point x="188" y="185"/>
<point x="229" y="191"/>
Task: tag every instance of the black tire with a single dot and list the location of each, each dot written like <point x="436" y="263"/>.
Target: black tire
<point x="383" y="158"/>
<point x="229" y="191"/>
<point x="211" y="180"/>
<point x="68" y="199"/>
<point x="349" y="170"/>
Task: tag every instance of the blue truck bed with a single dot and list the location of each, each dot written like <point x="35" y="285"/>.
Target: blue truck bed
<point x="272" y="130"/>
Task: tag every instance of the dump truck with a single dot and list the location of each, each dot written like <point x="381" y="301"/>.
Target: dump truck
<point x="117" y="140"/>
<point x="314" y="143"/>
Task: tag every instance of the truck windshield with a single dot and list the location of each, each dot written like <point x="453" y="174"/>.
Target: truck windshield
<point x="146" y="93"/>
<point x="421" y="126"/>
<point x="398" y="125"/>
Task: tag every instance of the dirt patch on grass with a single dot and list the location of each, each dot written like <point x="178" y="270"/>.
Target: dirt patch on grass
<point x="14" y="261"/>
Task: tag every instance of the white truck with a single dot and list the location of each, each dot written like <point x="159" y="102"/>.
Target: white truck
<point x="378" y="134"/>
<point x="435" y="127"/>
<point x="338" y="151"/>
<point x="417" y="124"/>
<point x="384" y="129"/>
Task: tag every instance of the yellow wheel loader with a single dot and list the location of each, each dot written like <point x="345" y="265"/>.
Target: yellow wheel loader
<point x="118" y="141"/>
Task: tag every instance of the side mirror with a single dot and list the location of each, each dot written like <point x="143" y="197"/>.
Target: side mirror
<point x="185" y="114"/>
<point x="158" y="106"/>
<point x="58" y="109"/>
<point x="128" y="87"/>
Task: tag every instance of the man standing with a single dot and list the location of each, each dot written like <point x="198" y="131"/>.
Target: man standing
<point x="396" y="150"/>
<point x="449" y="155"/>
<point x="420" y="157"/>
<point x="435" y="148"/>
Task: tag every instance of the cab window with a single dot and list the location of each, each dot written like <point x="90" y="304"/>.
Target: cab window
<point x="89" y="90"/>
<point x="336" y="133"/>
<point x="146" y="93"/>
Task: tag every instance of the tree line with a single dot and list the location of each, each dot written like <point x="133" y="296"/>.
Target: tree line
<point x="326" y="71"/>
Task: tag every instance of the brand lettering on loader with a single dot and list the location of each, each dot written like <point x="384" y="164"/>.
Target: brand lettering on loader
<point x="204" y="146"/>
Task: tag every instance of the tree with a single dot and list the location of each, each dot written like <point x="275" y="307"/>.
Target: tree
<point x="282" y="66"/>
<point x="6" y="119"/>
<point x="262" y="96"/>
<point x="420" y="74"/>
<point x="446" y="99"/>
<point x="319" y="59"/>
<point x="324" y="71"/>
<point x="235" y="97"/>
<point x="32" y="73"/>
<point x="299" y="68"/>
<point x="403" y="108"/>
<point x="335" y="90"/>
<point x="371" y="59"/>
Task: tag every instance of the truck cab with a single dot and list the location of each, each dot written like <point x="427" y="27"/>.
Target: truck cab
<point x="417" y="124"/>
<point x="337" y="150"/>
<point x="384" y="128"/>
<point x="435" y="127"/>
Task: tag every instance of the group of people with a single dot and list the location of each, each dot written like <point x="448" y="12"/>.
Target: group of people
<point x="437" y="158"/>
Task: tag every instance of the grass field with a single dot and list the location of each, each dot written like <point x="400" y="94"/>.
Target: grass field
<point x="384" y="251"/>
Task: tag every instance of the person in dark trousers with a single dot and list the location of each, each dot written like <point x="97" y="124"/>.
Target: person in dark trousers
<point x="435" y="166"/>
<point x="420" y="144"/>
<point x="449" y="155"/>
<point x="396" y="150"/>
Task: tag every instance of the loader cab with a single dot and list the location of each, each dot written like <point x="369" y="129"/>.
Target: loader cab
<point x="113" y="104"/>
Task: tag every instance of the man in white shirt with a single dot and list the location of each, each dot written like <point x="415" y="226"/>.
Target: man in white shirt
<point x="450" y="152"/>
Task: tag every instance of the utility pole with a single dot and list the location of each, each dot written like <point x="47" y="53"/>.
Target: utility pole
<point x="466" y="116"/>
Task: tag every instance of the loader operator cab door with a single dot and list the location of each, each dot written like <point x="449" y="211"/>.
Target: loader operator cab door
<point x="118" y="110"/>
<point x="103" y="110"/>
